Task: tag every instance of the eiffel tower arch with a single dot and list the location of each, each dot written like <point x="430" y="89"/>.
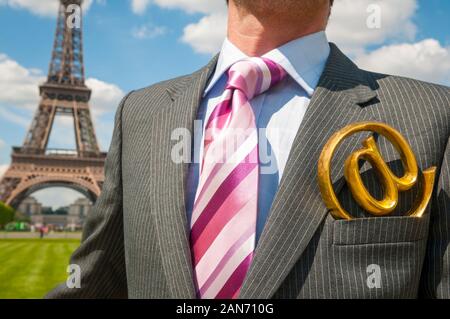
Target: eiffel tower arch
<point x="34" y="166"/>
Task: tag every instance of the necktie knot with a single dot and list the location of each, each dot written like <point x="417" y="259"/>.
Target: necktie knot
<point x="254" y="76"/>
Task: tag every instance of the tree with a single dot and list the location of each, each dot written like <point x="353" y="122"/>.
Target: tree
<point x="6" y="214"/>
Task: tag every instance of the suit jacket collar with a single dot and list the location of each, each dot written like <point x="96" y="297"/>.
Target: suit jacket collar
<point x="298" y="209"/>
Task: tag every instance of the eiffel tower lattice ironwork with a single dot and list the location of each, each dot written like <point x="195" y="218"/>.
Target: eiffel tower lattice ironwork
<point x="34" y="166"/>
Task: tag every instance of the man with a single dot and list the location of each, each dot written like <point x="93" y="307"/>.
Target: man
<point x="253" y="224"/>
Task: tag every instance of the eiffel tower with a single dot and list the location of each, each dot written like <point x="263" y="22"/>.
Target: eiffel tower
<point x="34" y="166"/>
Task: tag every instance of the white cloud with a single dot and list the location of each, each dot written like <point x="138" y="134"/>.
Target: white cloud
<point x="193" y="6"/>
<point x="349" y="29"/>
<point x="18" y="84"/>
<point x="148" y="31"/>
<point x="105" y="96"/>
<point x="426" y="60"/>
<point x="207" y="35"/>
<point x="3" y="169"/>
<point x="190" y="6"/>
<point x="39" y="7"/>
<point x="57" y="196"/>
<point x="104" y="101"/>
<point x="46" y="8"/>
<point x="14" y="117"/>
<point x="139" y="6"/>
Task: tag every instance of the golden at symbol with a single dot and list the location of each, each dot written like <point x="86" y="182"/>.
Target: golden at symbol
<point x="391" y="183"/>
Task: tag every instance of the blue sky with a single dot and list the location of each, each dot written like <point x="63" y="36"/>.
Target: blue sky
<point x="111" y="51"/>
<point x="130" y="44"/>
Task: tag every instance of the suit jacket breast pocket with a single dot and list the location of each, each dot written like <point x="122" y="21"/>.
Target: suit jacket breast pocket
<point x="379" y="257"/>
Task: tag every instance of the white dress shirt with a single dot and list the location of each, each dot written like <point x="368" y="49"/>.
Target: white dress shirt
<point x="278" y="112"/>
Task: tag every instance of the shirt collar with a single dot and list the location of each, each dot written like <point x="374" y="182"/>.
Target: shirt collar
<point x="303" y="59"/>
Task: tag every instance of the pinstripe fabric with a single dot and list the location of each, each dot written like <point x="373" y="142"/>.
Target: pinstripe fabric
<point x="136" y="240"/>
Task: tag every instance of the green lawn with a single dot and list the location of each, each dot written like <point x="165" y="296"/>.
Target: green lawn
<point x="29" y="268"/>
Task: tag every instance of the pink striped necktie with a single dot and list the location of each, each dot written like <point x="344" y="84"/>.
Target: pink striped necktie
<point x="223" y="224"/>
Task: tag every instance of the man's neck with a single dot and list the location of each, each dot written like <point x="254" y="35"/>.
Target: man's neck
<point x="257" y="35"/>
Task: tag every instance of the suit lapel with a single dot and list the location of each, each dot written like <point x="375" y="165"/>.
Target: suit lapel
<point x="298" y="209"/>
<point x="171" y="220"/>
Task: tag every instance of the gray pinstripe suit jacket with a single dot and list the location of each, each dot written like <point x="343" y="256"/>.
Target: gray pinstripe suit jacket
<point x="135" y="242"/>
